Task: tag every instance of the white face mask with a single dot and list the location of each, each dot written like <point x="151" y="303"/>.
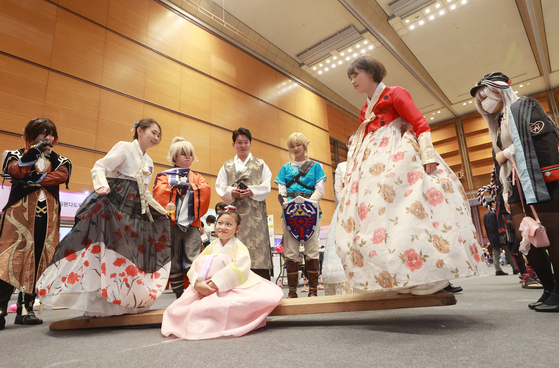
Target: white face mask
<point x="489" y="104"/>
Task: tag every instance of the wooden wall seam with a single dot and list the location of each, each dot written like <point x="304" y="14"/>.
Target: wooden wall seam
<point x="191" y="67"/>
<point x="139" y="100"/>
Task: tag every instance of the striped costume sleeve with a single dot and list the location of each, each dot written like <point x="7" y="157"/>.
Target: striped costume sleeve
<point x="236" y="272"/>
<point x="192" y="273"/>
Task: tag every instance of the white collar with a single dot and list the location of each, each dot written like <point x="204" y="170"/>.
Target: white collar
<point x="137" y="144"/>
<point x="229" y="242"/>
<point x="245" y="161"/>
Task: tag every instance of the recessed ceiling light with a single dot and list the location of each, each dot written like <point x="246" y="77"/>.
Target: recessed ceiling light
<point x="432" y="118"/>
<point x="371" y="47"/>
<point x="441" y="12"/>
<point x="340" y="62"/>
<point x="348" y="50"/>
<point x="314" y="68"/>
<point x="320" y="65"/>
<point x="407" y="20"/>
<point x="320" y="72"/>
<point x="448" y="1"/>
<point x="363" y="51"/>
<point x="427" y="11"/>
<point x="421" y="23"/>
<point x="412" y="27"/>
<point x="464" y="2"/>
<point x="431" y="17"/>
<point x="357" y="46"/>
<point x="347" y="58"/>
<point x="343" y="53"/>
<point x="355" y="55"/>
<point x="333" y="66"/>
<point x="325" y="69"/>
<point x="515" y="91"/>
<point x="365" y="42"/>
<point x="470" y="102"/>
<point x="328" y="60"/>
<point x="438" y="6"/>
<point x="462" y="104"/>
<point x="433" y="113"/>
<point x="453" y="7"/>
<point x="438" y="112"/>
<point x="521" y="86"/>
<point x="335" y="57"/>
<point x="527" y="84"/>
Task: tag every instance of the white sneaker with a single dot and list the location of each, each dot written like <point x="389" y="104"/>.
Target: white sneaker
<point x="405" y="290"/>
<point x="430" y="288"/>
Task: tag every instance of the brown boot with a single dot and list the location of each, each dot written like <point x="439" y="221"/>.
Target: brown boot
<point x="312" y="272"/>
<point x="292" y="278"/>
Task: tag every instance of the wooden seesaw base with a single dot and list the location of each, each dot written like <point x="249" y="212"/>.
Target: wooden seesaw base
<point x="304" y="305"/>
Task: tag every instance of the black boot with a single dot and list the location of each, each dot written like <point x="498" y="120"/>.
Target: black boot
<point x="3" y="314"/>
<point x="177" y="284"/>
<point x="29" y="318"/>
<point x="5" y="295"/>
<point x="546" y="294"/>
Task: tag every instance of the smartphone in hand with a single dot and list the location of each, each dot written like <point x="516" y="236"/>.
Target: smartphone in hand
<point x="242" y="186"/>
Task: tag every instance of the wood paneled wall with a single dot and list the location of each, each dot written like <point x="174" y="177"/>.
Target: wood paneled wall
<point x="95" y="68"/>
<point x="445" y="142"/>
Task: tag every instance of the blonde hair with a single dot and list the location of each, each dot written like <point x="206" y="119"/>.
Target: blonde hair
<point x="297" y="137"/>
<point x="178" y="146"/>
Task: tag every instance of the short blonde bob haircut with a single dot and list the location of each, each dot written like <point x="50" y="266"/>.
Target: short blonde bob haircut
<point x="178" y="146"/>
<point x="298" y="137"/>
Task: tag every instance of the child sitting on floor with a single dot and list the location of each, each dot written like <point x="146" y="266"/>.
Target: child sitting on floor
<point x="225" y="298"/>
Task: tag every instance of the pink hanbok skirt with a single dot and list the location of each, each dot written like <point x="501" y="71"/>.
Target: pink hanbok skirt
<point x="233" y="312"/>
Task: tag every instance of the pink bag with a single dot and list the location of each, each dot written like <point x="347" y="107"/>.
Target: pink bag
<point x="531" y="229"/>
<point x="534" y="231"/>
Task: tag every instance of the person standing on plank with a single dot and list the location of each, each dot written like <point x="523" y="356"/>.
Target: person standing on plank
<point x="244" y="182"/>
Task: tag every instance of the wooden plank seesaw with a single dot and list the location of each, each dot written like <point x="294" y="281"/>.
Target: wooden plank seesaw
<point x="305" y="305"/>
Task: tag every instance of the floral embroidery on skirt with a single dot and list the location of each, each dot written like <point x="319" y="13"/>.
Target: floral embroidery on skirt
<point x="397" y="226"/>
<point x="114" y="261"/>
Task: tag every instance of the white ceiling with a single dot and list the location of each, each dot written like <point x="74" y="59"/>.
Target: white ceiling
<point x="456" y="49"/>
<point x="550" y="9"/>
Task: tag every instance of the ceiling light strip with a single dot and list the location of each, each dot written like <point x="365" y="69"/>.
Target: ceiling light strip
<point x="323" y="48"/>
<point x="390" y="47"/>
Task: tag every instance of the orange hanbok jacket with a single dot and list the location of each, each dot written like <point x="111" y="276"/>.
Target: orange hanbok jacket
<point x="163" y="193"/>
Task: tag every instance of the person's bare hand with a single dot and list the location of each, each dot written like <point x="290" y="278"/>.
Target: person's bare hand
<point x="430" y="168"/>
<point x="500" y="157"/>
<point x="237" y="193"/>
<point x="204" y="288"/>
<point x="103" y="191"/>
<point x="246" y="193"/>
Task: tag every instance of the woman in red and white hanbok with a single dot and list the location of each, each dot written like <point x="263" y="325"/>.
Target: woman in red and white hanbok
<point x="403" y="218"/>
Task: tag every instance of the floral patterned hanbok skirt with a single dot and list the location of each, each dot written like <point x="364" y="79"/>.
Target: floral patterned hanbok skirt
<point x="397" y="226"/>
<point x="114" y="261"/>
<point x="333" y="274"/>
